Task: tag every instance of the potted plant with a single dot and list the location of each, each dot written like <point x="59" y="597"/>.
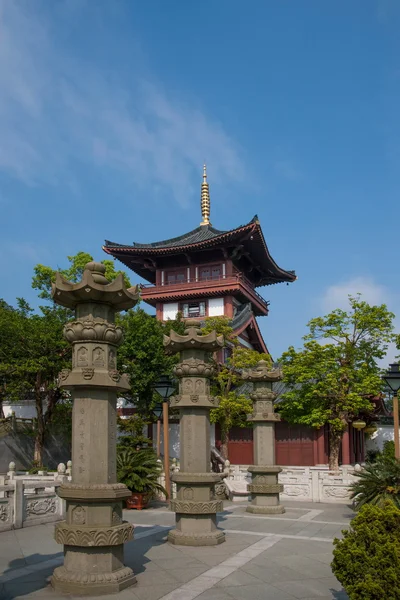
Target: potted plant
<point x="139" y="470"/>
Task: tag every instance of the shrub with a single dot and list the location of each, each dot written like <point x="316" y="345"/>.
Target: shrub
<point x="139" y="470"/>
<point x="377" y="483"/>
<point x="367" y="559"/>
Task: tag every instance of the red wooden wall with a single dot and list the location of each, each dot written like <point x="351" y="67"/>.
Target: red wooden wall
<point x="295" y="445"/>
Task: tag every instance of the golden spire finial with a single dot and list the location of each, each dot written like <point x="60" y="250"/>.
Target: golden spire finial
<point x="205" y="199"/>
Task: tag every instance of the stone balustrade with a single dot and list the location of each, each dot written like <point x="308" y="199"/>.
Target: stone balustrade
<point x="306" y="484"/>
<point x="24" y="503"/>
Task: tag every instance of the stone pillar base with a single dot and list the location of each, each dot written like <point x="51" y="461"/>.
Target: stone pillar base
<point x="196" y="539"/>
<point x="265" y="510"/>
<point x="91" y="584"/>
<point x="196" y="510"/>
<point x="265" y="489"/>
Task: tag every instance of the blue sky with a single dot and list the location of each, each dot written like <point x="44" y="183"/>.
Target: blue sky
<point x="108" y="110"/>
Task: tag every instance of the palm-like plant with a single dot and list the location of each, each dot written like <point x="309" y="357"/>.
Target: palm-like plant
<point x="377" y="483"/>
<point x="139" y="470"/>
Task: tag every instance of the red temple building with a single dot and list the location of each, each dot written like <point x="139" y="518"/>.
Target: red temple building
<point x="209" y="272"/>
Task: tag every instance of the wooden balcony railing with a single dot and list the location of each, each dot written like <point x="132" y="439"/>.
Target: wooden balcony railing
<point x="186" y="284"/>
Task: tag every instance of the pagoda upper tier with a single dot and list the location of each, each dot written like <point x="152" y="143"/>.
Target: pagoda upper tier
<point x="244" y="247"/>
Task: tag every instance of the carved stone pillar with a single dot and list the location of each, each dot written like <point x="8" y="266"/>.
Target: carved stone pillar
<point x="264" y="488"/>
<point x="195" y="505"/>
<point x="93" y="533"/>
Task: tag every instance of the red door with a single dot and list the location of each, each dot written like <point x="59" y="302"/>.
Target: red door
<point x="294" y="445"/>
<point x="240" y="447"/>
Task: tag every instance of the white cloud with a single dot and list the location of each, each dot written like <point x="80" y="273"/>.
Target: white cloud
<point x="337" y="296"/>
<point x="57" y="112"/>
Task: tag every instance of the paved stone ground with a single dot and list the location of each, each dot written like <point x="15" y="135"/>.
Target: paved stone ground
<point x="281" y="557"/>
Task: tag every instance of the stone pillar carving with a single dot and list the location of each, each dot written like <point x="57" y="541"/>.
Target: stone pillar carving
<point x="264" y="488"/>
<point x="93" y="533"/>
<point x="195" y="505"/>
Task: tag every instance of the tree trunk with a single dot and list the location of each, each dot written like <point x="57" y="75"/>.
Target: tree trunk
<point x="335" y="440"/>
<point x="224" y="445"/>
<point x="39" y="439"/>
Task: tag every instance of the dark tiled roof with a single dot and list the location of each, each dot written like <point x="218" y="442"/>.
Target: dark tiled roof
<point x="242" y="316"/>
<point x="196" y="236"/>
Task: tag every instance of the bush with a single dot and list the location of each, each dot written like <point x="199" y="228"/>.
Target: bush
<point x="377" y="483"/>
<point x="367" y="559"/>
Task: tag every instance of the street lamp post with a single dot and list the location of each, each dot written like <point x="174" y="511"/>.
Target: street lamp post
<point x="392" y="379"/>
<point x="157" y="411"/>
<point x="165" y="388"/>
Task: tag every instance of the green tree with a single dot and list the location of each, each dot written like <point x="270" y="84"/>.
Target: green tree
<point x="234" y="402"/>
<point x="32" y="353"/>
<point x="331" y="378"/>
<point x="367" y="560"/>
<point x="44" y="275"/>
<point x="142" y="354"/>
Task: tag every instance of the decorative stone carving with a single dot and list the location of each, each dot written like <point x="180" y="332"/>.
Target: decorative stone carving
<point x="93" y="555"/>
<point x="87" y="373"/>
<point x="297" y="490"/>
<point x="63" y="375"/>
<point x="187" y="493"/>
<point x="4" y="512"/>
<point x="91" y="330"/>
<point x="94" y="536"/>
<point x="40" y="506"/>
<point x="78" y="515"/>
<point x="82" y="357"/>
<point x="114" y="375"/>
<point x="195" y="505"/>
<point x="336" y="492"/>
<point x="264" y="488"/>
<point x="98" y="357"/>
<point x="197" y="508"/>
<point x="271" y="488"/>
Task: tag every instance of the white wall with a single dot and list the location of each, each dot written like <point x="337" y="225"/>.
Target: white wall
<point x="170" y="310"/>
<point x="215" y="307"/>
<point x="384" y="433"/>
<point x="24" y="411"/>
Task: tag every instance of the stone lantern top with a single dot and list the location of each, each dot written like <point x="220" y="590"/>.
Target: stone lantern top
<point x="262" y="372"/>
<point x="192" y="339"/>
<point x="94" y="287"/>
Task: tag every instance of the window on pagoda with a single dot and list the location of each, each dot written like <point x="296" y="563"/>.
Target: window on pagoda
<point x="193" y="309"/>
<point x="213" y="272"/>
<point x="176" y="277"/>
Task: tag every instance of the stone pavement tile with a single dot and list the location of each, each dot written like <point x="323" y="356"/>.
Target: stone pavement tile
<point x="7" y="564"/>
<point x="270" y="573"/>
<point x="323" y="557"/>
<point x="150" y="578"/>
<point x="14" y="589"/>
<point x="239" y="577"/>
<point x="151" y="592"/>
<point x="214" y="594"/>
<point x="261" y="591"/>
<point x="330" y="531"/>
<point x="212" y="561"/>
<point x="176" y="563"/>
<point x="307" y="588"/>
<point x="186" y="574"/>
<point x="310" y="529"/>
<point x="303" y="565"/>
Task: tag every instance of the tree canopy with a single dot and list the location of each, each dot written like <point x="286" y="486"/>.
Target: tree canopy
<point x="332" y="378"/>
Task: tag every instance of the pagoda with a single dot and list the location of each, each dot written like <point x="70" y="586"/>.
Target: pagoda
<point x="207" y="272"/>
